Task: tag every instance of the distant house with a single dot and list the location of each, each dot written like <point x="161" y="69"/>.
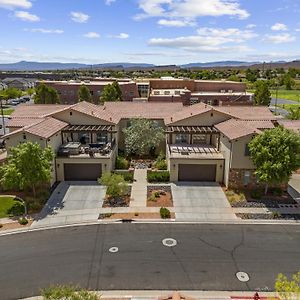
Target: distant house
<point x="19" y="83"/>
<point x="3" y="86"/>
<point x="203" y="142"/>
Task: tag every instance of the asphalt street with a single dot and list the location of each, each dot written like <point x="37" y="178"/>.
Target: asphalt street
<point x="206" y="257"/>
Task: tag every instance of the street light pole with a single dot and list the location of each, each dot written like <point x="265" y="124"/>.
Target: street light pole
<point x="276" y="100"/>
<point x="2" y="114"/>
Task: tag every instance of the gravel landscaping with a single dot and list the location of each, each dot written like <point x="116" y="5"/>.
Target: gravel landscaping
<point x="159" y="196"/>
<point x="119" y="201"/>
<point x="269" y="216"/>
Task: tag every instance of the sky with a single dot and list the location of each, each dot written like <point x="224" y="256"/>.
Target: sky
<point x="149" y="31"/>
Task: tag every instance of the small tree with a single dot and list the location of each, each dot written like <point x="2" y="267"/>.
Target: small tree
<point x="84" y="94"/>
<point x="288" y="81"/>
<point x="275" y="154"/>
<point x="262" y="94"/>
<point x="116" y="184"/>
<point x="68" y="293"/>
<point x="45" y="95"/>
<point x="294" y="113"/>
<point x="142" y="136"/>
<point x="288" y="289"/>
<point x="111" y="92"/>
<point x="10" y="93"/>
<point x="28" y="165"/>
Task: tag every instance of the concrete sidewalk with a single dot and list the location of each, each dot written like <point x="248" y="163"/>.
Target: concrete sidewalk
<point x="139" y="189"/>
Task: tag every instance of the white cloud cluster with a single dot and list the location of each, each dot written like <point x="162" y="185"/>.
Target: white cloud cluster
<point x="26" y="16"/>
<point x="190" y="9"/>
<point x="208" y="40"/>
<point x="11" y="4"/>
<point x="175" y="23"/>
<point x="279" y="38"/>
<point x="92" y="35"/>
<point x="122" y="36"/>
<point x="79" y="17"/>
<point x="42" y="30"/>
<point x="109" y="2"/>
<point x="279" y="27"/>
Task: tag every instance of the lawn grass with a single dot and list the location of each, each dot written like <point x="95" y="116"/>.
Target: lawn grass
<point x="8" y="111"/>
<point x="293" y="95"/>
<point x="289" y="106"/>
<point x="6" y="203"/>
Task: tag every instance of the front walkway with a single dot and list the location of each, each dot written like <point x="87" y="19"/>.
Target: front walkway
<point x="139" y="189"/>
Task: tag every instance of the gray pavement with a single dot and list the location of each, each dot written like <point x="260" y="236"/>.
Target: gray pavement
<point x="72" y="203"/>
<point x="207" y="257"/>
<point x="283" y="101"/>
<point x="201" y="202"/>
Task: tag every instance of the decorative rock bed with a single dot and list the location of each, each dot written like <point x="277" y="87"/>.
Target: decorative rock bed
<point x="119" y="201"/>
<point x="269" y="216"/>
<point x="141" y="163"/>
<point x="164" y="198"/>
<point x="261" y="203"/>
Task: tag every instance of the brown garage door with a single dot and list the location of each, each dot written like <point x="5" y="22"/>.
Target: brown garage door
<point x="197" y="173"/>
<point x="82" y="172"/>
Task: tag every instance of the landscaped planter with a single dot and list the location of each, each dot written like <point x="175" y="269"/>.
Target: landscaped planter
<point x="127" y="174"/>
<point x="159" y="196"/>
<point x="118" y="201"/>
<point x="158" y="176"/>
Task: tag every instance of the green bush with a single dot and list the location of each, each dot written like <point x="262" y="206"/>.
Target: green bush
<point x="276" y="215"/>
<point x="17" y="209"/>
<point x="165" y="213"/>
<point x="23" y="221"/>
<point x="277" y="191"/>
<point x="161" y="163"/>
<point x="128" y="176"/>
<point x="256" y="194"/>
<point x="161" y="176"/>
<point x="157" y="194"/>
<point x="122" y="163"/>
<point x="116" y="185"/>
<point x="152" y="198"/>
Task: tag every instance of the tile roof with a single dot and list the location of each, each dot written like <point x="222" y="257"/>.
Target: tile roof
<point x="37" y="110"/>
<point x="235" y="129"/>
<point x="22" y="122"/>
<point x="247" y="112"/>
<point x="187" y="112"/>
<point x="290" y="124"/>
<point x="148" y="110"/>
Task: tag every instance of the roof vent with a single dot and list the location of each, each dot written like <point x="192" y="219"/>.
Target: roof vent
<point x="171" y="119"/>
<point x="104" y="107"/>
<point x="92" y="112"/>
<point x="191" y="114"/>
<point x="110" y="118"/>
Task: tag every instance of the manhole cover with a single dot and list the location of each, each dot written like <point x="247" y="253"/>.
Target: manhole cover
<point x="113" y="249"/>
<point x="242" y="276"/>
<point x="169" y="242"/>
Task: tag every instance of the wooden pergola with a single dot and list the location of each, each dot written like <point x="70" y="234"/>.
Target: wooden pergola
<point x="89" y="128"/>
<point x="193" y="130"/>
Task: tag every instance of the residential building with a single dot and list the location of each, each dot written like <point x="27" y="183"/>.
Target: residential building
<point x="203" y="142"/>
<point x="165" y="89"/>
<point x="19" y="83"/>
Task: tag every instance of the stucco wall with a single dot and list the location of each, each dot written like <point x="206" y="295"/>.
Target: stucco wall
<point x="225" y="150"/>
<point x="18" y="138"/>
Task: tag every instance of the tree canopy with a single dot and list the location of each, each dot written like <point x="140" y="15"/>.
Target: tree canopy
<point x="288" y="289"/>
<point x="294" y="113"/>
<point x="10" y="93"/>
<point x="46" y="95"/>
<point x="262" y="93"/>
<point x="84" y="94"/>
<point x="275" y="154"/>
<point x="28" y="165"/>
<point x="111" y="92"/>
<point x="142" y="136"/>
<point x="116" y="184"/>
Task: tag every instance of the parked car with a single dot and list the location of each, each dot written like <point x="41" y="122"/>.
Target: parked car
<point x="25" y="99"/>
<point x="14" y="101"/>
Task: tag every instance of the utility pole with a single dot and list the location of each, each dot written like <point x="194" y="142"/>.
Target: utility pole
<point x="276" y="100"/>
<point x="2" y="114"/>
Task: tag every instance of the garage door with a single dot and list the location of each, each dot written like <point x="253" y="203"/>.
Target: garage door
<point x="82" y="172"/>
<point x="197" y="172"/>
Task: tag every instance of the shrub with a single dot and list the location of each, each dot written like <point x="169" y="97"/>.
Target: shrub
<point x="116" y="185"/>
<point x="122" y="163"/>
<point x="256" y="194"/>
<point x="17" y="209"/>
<point x="152" y="198"/>
<point x="161" y="176"/>
<point x="128" y="176"/>
<point x="277" y="191"/>
<point x="161" y="163"/>
<point x="242" y="196"/>
<point x="23" y="221"/>
<point x="164" y="213"/>
<point x="156" y="194"/>
<point x="276" y="215"/>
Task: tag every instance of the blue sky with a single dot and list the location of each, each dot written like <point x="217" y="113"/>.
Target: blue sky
<point x="150" y="31"/>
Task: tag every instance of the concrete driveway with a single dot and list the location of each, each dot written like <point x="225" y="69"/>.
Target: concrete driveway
<point x="203" y="201"/>
<point x="72" y="202"/>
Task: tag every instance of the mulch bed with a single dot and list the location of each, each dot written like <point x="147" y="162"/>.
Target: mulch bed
<point x="165" y="198"/>
<point x="15" y="225"/>
<point x="120" y="201"/>
<point x="269" y="216"/>
<point x="132" y="216"/>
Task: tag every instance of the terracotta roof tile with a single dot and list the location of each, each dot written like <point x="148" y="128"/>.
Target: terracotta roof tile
<point x="235" y="129"/>
<point x="290" y="124"/>
<point x="21" y="122"/>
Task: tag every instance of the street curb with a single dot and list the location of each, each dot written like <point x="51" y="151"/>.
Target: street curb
<point x="151" y="221"/>
<point x="209" y="295"/>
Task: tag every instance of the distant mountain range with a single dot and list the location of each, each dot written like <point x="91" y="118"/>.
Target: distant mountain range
<point x="52" y="66"/>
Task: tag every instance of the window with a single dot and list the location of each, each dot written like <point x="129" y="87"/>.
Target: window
<point x="209" y="102"/>
<point x="84" y="138"/>
<point x="247" y="150"/>
<point x="131" y="93"/>
<point x="199" y="139"/>
<point x="182" y="138"/>
<point x="101" y="137"/>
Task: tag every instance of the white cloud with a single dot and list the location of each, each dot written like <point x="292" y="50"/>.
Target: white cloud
<point x="190" y="8"/>
<point x="175" y="23"/>
<point x="10" y="4"/>
<point x="279" y="27"/>
<point x="109" y="2"/>
<point x="42" y="30"/>
<point x="79" y="17"/>
<point x="26" y="16"/>
<point x="279" y="38"/>
<point x="208" y="39"/>
<point x="92" y="35"/>
<point x="122" y="36"/>
<point x="250" y="26"/>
